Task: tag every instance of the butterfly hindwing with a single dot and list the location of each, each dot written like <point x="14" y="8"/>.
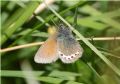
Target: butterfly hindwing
<point x="69" y="50"/>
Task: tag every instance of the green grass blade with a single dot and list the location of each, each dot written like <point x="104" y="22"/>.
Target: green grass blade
<point x="13" y="27"/>
<point x="63" y="73"/>
<point x="51" y="80"/>
<point x="8" y="73"/>
<point x="93" y="12"/>
<point x="73" y="82"/>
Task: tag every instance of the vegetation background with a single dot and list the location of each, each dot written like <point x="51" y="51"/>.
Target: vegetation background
<point x="21" y="24"/>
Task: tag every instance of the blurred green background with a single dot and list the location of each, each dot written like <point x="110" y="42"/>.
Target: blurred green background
<point x="21" y="24"/>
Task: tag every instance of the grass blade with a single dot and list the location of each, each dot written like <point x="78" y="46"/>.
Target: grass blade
<point x="16" y="24"/>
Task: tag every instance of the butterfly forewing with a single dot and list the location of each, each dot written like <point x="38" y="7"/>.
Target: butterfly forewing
<point x="47" y="53"/>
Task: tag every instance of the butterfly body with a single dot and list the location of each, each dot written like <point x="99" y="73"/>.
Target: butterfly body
<point x="61" y="45"/>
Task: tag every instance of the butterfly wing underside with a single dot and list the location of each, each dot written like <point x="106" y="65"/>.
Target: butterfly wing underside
<point x="47" y="53"/>
<point x="69" y="50"/>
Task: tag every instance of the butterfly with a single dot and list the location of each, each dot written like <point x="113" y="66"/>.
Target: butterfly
<point x="61" y="45"/>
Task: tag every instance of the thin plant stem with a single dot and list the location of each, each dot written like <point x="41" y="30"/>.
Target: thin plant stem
<point x="21" y="46"/>
<point x="39" y="43"/>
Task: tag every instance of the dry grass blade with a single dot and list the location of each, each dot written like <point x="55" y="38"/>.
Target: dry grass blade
<point x="39" y="43"/>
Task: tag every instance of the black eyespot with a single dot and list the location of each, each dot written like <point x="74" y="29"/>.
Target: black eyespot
<point x="76" y="54"/>
<point x="61" y="54"/>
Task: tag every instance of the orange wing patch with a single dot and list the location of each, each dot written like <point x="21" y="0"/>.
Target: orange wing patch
<point x="47" y="53"/>
<point x="49" y="47"/>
